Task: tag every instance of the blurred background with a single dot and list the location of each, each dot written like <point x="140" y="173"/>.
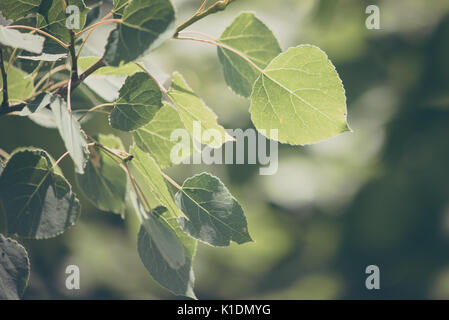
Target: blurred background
<point x="379" y="195"/>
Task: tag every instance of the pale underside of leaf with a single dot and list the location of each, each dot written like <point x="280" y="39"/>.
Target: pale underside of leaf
<point x="71" y="133"/>
<point x="16" y="39"/>
<point x="14" y="269"/>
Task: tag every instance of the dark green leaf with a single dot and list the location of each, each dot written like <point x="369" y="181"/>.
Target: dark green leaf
<point x="53" y="17"/>
<point x="103" y="181"/>
<point x="179" y="281"/>
<point x="145" y="25"/>
<point x="163" y="235"/>
<point x="139" y="100"/>
<point x="14" y="269"/>
<point x="93" y="14"/>
<point x="38" y="201"/>
<point x="250" y="36"/>
<point x="214" y="216"/>
<point x="15" y="9"/>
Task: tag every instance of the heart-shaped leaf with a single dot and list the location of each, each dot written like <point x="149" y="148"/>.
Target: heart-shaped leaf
<point x="250" y="36"/>
<point x="301" y="96"/>
<point x="139" y="100"/>
<point x="144" y="25"/>
<point x="38" y="201"/>
<point x="214" y="215"/>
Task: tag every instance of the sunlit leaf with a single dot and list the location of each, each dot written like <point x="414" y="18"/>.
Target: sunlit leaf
<point x="148" y="176"/>
<point x="123" y="70"/>
<point x="20" y="86"/>
<point x="154" y="137"/>
<point x="301" y="95"/>
<point x="192" y="110"/>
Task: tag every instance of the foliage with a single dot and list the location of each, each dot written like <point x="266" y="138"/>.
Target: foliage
<point x="297" y="92"/>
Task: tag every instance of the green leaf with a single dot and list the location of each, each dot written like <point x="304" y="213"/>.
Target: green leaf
<point x="15" y="9"/>
<point x="103" y="181"/>
<point x="71" y="133"/>
<point x="15" y="39"/>
<point x="179" y="281"/>
<point x="301" y="95"/>
<point x="119" y="7"/>
<point x="20" y="86"/>
<point x="145" y="24"/>
<point x="148" y="176"/>
<point x="38" y="201"/>
<point x="214" y="215"/>
<point x="14" y="269"/>
<point x="250" y="36"/>
<point x="52" y="18"/>
<point x="154" y="138"/>
<point x="192" y="110"/>
<point x="139" y="100"/>
<point x="163" y="235"/>
<point x="123" y="70"/>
